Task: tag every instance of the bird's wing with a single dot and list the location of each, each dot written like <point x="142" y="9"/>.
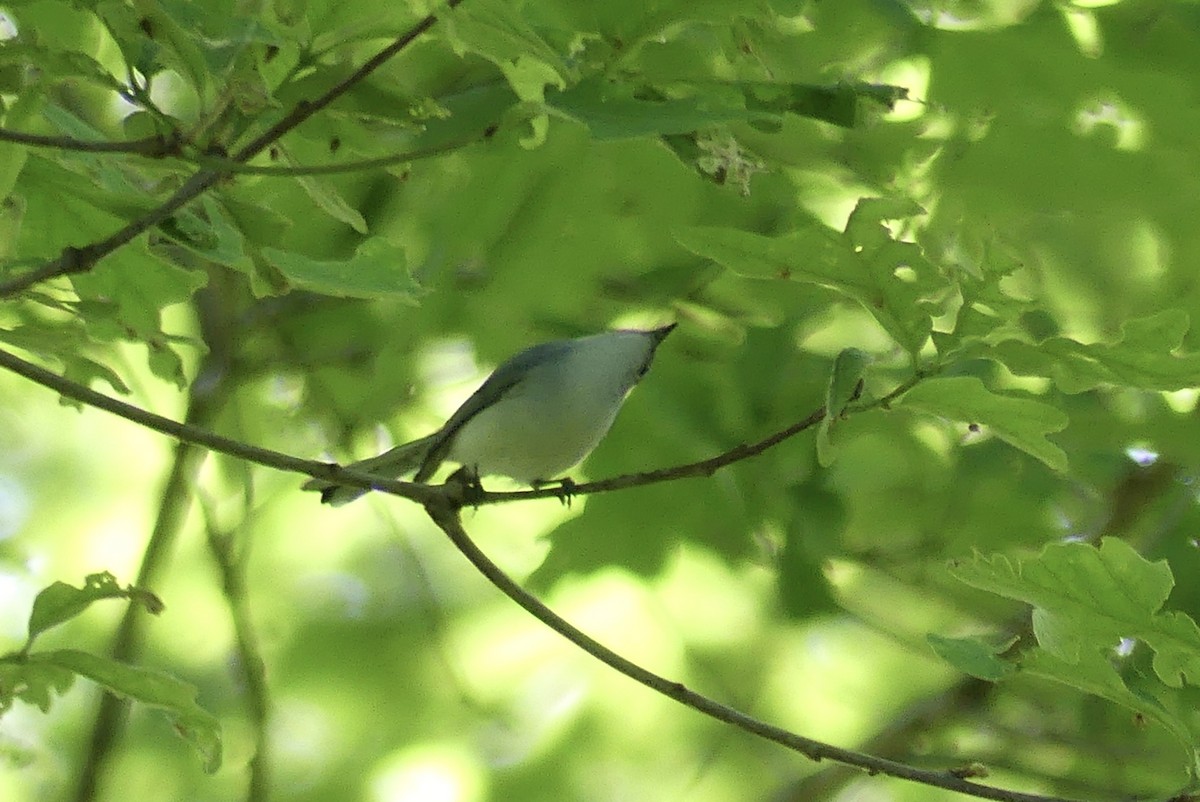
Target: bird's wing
<point x="502" y="381"/>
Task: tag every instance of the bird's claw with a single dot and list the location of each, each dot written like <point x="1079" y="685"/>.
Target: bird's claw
<point x="565" y="490"/>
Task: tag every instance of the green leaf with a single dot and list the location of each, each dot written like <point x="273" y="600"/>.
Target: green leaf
<point x="326" y="197"/>
<point x="32" y="682"/>
<point x="150" y="687"/>
<point x="496" y="31"/>
<point x="973" y="656"/>
<point x="70" y="343"/>
<point x="61" y="602"/>
<point x="612" y="110"/>
<point x="1094" y="674"/>
<point x="1087" y="599"/>
<point x="151" y="40"/>
<point x="844" y="385"/>
<point x="377" y="270"/>
<point x="139" y="286"/>
<point x="890" y="278"/>
<point x="1021" y="422"/>
<point x="1144" y="356"/>
<point x="68" y="207"/>
<point x="846" y="380"/>
<point x="212" y="236"/>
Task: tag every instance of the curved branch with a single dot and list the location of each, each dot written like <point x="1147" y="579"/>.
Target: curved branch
<point x="705" y="467"/>
<point x="231" y="567"/>
<point x="215" y="442"/>
<point x="82" y="259"/>
<point x="446" y="517"/>
<point x="234" y="167"/>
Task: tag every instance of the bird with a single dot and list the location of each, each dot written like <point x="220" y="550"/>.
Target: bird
<point x="538" y="414"/>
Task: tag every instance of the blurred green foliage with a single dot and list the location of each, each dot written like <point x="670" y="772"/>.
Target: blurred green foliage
<point x="990" y="202"/>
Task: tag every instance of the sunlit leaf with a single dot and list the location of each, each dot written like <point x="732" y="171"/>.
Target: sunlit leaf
<point x="973" y="656"/>
<point x="150" y="687"/>
<point x="61" y="602"/>
<point x="1094" y="674"/>
<point x="1145" y="356"/>
<point x="32" y="682"/>
<point x="614" y="111"/>
<point x="1020" y="422"/>
<point x="377" y="270"/>
<point x="890" y="278"/>
<point x="1086" y="599"/>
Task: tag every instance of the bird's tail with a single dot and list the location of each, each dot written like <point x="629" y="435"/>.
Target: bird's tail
<point x="394" y="462"/>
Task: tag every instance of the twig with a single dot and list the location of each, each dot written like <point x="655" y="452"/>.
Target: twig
<point x="153" y="146"/>
<point x="446" y="517"/>
<point x="171" y="512"/>
<point x="82" y="259"/>
<point x="196" y="435"/>
<point x="234" y="167"/>
<point x="705" y="467"/>
<point x="258" y="706"/>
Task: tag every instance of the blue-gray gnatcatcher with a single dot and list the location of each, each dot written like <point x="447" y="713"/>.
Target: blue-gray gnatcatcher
<point x="539" y="413"/>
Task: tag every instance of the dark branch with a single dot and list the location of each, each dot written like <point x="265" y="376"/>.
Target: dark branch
<point x="231" y="166"/>
<point x="214" y="442"/>
<point x="443" y="503"/>
<point x="706" y="467"/>
<point x="446" y="517"/>
<point x="153" y="146"/>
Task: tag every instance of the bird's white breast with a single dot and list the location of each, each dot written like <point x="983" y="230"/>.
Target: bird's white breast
<point x="554" y="417"/>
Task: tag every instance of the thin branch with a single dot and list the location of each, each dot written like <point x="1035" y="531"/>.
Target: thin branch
<point x="188" y="433"/>
<point x="234" y="167"/>
<point x="156" y="147"/>
<point x="172" y="508"/>
<point x="705" y="467"/>
<point x="82" y="259"/>
<point x="258" y="705"/>
<point x="446" y="516"/>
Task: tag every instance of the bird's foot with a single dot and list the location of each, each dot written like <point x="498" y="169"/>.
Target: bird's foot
<point x="565" y="491"/>
<point x="469" y="484"/>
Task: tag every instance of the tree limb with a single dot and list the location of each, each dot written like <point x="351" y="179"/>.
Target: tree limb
<point x="447" y="519"/>
<point x="196" y="435"/>
<point x="253" y="668"/>
<point x="156" y="147"/>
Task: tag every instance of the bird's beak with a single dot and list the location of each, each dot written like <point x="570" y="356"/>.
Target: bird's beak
<point x="661" y="334"/>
